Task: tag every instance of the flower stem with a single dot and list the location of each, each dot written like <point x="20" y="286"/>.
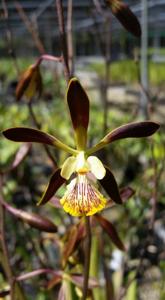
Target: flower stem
<point x="87" y="257"/>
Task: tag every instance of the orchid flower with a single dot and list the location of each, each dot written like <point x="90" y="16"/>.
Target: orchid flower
<point x="82" y="196"/>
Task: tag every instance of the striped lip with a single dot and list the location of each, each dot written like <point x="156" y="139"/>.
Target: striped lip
<point x="82" y="198"/>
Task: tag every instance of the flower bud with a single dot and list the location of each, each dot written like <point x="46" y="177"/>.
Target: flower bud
<point x="30" y="83"/>
<point x="125" y="16"/>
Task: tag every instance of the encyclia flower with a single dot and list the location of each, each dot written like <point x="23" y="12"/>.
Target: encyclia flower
<point x="82" y="196"/>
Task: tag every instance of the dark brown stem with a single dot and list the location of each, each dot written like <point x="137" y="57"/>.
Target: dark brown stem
<point x="60" y="15"/>
<point x="37" y="124"/>
<point x="70" y="37"/>
<point x="30" y="27"/>
<point x="87" y="257"/>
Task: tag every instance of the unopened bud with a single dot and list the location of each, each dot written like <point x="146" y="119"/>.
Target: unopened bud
<point x="125" y="16"/>
<point x="30" y="83"/>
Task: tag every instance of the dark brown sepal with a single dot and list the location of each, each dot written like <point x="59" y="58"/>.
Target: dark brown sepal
<point x="56" y="181"/>
<point x="110" y="186"/>
<point x="132" y="130"/>
<point x="78" y="103"/>
<point x="23" y="134"/>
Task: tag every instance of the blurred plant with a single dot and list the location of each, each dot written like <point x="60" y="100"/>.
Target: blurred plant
<point x="82" y="197"/>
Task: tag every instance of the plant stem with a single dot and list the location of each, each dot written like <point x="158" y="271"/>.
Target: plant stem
<point x="30" y="27"/>
<point x="70" y="36"/>
<point x="60" y="15"/>
<point x="87" y="257"/>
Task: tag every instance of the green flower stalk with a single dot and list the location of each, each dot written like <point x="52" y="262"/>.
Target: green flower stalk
<point x="82" y="197"/>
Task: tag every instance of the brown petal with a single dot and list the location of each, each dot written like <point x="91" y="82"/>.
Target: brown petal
<point x="110" y="186"/>
<point x="78" y="103"/>
<point x="131" y="130"/>
<point x="125" y="16"/>
<point x="23" y="134"/>
<point x="111" y="231"/>
<point x="33" y="220"/>
<point x="54" y="184"/>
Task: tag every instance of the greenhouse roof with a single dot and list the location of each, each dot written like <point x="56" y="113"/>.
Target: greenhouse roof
<point x="43" y="13"/>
